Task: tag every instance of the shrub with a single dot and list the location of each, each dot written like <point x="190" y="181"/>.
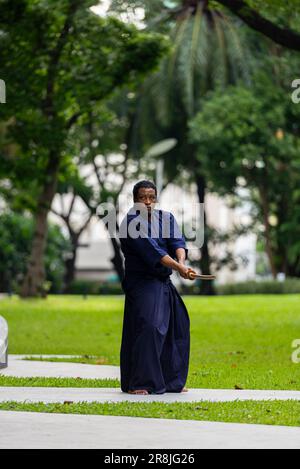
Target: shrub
<point x="88" y="287"/>
<point x="290" y="285"/>
<point x="15" y="241"/>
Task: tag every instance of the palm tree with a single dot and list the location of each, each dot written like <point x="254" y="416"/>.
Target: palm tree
<point x="207" y="53"/>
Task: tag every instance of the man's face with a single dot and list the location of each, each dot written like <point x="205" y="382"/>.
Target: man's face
<point x="146" y="196"/>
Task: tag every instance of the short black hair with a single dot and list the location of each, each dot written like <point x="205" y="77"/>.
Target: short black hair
<point x="145" y="184"/>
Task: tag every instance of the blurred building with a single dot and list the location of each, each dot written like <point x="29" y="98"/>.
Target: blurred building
<point x="94" y="261"/>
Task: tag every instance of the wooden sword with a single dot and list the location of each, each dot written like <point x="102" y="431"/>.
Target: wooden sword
<point x="193" y="276"/>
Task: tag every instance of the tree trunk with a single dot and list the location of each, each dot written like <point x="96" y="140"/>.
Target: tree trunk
<point x="286" y="37"/>
<point x="117" y="260"/>
<point x="34" y="280"/>
<point x="282" y="244"/>
<point x="207" y="287"/>
<point x="266" y="213"/>
<point x="295" y="269"/>
<point x="71" y="263"/>
<point x="3" y="282"/>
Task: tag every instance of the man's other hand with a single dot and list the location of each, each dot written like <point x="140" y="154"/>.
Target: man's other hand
<point x="184" y="271"/>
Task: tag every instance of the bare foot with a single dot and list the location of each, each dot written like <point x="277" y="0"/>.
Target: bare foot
<point x="139" y="391"/>
<point x="184" y="390"/>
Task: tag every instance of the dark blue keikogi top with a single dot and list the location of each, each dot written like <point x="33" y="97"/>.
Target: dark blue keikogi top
<point x="158" y="237"/>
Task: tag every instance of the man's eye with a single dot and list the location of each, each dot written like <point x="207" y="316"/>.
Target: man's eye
<point x="153" y="199"/>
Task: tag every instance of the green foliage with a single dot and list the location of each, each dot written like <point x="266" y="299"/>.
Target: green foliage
<point x="212" y="50"/>
<point x="16" y="233"/>
<point x="208" y="50"/>
<point x="58" y="247"/>
<point x="283" y="12"/>
<point x="15" y="241"/>
<point x="249" y="137"/>
<point x="58" y="63"/>
<point x="236" y="133"/>
<point x="280" y="11"/>
<point x="288" y="286"/>
<point x="86" y="287"/>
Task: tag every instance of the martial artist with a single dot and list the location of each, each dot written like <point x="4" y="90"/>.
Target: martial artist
<point x="155" y="348"/>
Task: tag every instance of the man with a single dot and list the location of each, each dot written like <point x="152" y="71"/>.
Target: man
<point x="155" y="347"/>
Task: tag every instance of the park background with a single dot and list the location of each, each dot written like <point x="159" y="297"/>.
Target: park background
<point x="90" y="92"/>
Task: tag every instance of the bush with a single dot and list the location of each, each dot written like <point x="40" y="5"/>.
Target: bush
<point x="290" y="285"/>
<point x="110" y="289"/>
<point x="15" y="243"/>
<point x="88" y="287"/>
<point x="83" y="287"/>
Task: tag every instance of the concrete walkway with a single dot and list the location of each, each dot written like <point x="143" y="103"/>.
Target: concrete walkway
<point x="50" y="395"/>
<point x="20" y="368"/>
<point x="110" y="432"/>
<point x="97" y="431"/>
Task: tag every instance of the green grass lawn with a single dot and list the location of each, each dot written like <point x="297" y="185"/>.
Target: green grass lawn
<point x="59" y="382"/>
<point x="242" y="341"/>
<point x="260" y="412"/>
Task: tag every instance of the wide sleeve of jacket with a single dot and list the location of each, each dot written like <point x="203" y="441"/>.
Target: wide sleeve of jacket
<point x="145" y="247"/>
<point x="176" y="239"/>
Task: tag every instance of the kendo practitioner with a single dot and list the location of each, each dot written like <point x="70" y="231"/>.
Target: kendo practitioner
<point x="155" y="348"/>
